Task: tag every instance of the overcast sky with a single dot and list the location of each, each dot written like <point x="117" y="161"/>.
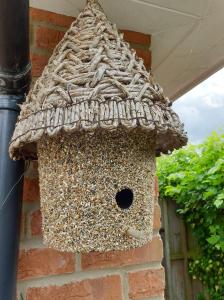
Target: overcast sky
<point x="202" y="109"/>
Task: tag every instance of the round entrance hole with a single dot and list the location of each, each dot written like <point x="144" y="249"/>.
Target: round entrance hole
<point x="124" y="198"/>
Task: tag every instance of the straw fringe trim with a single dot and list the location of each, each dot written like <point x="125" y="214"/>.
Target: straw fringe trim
<point x="90" y="115"/>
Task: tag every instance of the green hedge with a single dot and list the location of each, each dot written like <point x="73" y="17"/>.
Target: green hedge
<point x="194" y="178"/>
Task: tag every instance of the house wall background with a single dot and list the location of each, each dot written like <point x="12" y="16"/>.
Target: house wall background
<point x="47" y="274"/>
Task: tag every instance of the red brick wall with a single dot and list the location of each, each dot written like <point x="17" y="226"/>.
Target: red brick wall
<point x="48" y="274"/>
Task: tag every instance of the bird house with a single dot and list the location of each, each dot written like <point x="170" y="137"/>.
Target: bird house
<point x="96" y="119"/>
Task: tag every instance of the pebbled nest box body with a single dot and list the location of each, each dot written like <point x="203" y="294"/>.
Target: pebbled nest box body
<point x="95" y="119"/>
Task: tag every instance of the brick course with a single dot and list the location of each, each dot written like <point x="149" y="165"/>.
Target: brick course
<point x="47" y="38"/>
<point x="137" y="37"/>
<point x="38" y="63"/>
<point x="106" y="288"/>
<point x="151" y="252"/>
<point x="40" y="15"/>
<point x="147" y="283"/>
<point x="35" y="263"/>
<point x="36" y="223"/>
<point x="31" y="190"/>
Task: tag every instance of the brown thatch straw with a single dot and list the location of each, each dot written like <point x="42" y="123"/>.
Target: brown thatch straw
<point x="94" y="80"/>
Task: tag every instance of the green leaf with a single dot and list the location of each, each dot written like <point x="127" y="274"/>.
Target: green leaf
<point x="210" y="192"/>
<point x="176" y="176"/>
<point x="219" y="200"/>
<point x="217" y="167"/>
<point x="213" y="239"/>
<point x="172" y="190"/>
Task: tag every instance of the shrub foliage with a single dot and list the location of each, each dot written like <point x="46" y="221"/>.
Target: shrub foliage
<point x="194" y="178"/>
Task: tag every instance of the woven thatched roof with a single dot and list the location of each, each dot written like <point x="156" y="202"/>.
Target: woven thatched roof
<point x="94" y="80"/>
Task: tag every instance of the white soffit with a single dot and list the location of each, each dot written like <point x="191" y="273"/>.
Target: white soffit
<point x="187" y="35"/>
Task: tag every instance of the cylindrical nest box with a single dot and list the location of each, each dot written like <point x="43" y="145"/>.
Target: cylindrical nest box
<point x="95" y="119"/>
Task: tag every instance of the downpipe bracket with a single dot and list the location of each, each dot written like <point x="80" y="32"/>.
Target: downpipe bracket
<point x="14" y="84"/>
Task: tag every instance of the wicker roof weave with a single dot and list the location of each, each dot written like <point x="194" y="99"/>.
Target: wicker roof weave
<point x="94" y="80"/>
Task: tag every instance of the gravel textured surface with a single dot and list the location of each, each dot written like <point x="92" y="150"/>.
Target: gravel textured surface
<point x="80" y="175"/>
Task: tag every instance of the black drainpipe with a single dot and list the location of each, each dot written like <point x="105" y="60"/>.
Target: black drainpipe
<point x="14" y="83"/>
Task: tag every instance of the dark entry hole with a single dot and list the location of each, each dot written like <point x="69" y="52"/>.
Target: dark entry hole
<point x="124" y="198"/>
